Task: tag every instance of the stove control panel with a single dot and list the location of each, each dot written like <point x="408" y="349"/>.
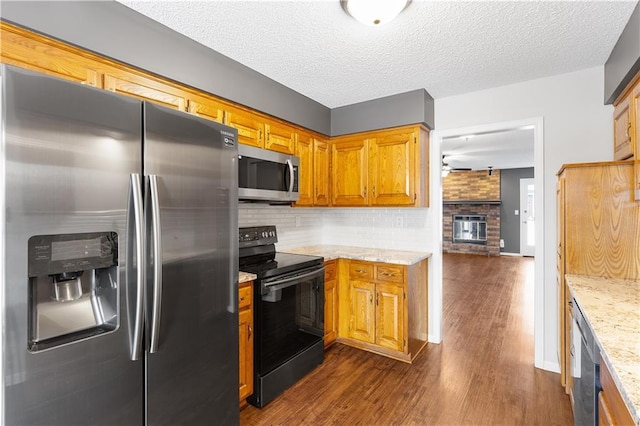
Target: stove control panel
<point x="258" y="236"/>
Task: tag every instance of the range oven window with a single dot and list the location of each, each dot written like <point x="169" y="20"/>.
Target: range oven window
<point x="291" y="317"/>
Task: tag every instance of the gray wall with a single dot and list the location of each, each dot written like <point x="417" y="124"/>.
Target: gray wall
<point x="113" y="30"/>
<point x="624" y="61"/>
<point x="510" y="196"/>
<point x="404" y="108"/>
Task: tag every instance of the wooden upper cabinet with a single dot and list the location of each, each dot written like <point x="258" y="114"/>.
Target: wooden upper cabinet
<point x="280" y="137"/>
<point x="144" y="88"/>
<point x="390" y="316"/>
<point x="392" y="168"/>
<point x="321" y="172"/>
<point x="601" y="226"/>
<point x="206" y="107"/>
<point x="31" y="51"/>
<point x="304" y="151"/>
<point x="250" y="126"/>
<point x="349" y="172"/>
<point x="622" y="131"/>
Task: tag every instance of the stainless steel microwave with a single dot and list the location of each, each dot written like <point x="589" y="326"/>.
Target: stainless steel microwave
<point x="267" y="176"/>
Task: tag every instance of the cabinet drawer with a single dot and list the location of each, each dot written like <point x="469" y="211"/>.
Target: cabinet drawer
<point x="330" y="271"/>
<point x="360" y="271"/>
<point x="244" y="297"/>
<point x="390" y="273"/>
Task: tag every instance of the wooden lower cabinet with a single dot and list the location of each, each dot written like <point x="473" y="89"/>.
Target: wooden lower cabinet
<point x="612" y="410"/>
<point x="362" y="311"/>
<point x="245" y="337"/>
<point x="383" y="307"/>
<point x="330" y="302"/>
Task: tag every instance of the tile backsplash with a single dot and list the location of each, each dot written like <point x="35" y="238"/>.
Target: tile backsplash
<point x="393" y="228"/>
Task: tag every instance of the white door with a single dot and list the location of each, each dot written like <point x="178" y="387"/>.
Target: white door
<point x="527" y="217"/>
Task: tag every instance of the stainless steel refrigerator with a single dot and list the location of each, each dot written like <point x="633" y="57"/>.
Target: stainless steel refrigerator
<point x="119" y="259"/>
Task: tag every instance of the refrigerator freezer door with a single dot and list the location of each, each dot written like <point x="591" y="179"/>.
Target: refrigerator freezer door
<point x="69" y="153"/>
<point x="193" y="376"/>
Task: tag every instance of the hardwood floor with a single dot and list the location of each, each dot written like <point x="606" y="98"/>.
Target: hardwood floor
<point x="481" y="374"/>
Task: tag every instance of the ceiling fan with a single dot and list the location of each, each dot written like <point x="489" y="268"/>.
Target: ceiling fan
<point x="446" y="168"/>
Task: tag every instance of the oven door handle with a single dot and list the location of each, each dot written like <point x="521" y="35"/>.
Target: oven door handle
<point x="288" y="282"/>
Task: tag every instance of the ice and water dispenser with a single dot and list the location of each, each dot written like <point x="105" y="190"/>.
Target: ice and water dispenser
<point x="73" y="290"/>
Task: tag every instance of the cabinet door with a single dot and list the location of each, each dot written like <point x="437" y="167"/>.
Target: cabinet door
<point x="362" y="311"/>
<point x="25" y="49"/>
<point x="250" y="126"/>
<point x="392" y="168"/>
<point x="144" y="88"/>
<point x="635" y="137"/>
<point x="280" y="137"/>
<point x="390" y="316"/>
<point x="330" y="311"/>
<point x="570" y="351"/>
<point x="304" y="151"/>
<point x="245" y="333"/>
<point x="205" y="107"/>
<point x="321" y="172"/>
<point x="349" y="166"/>
<point x="622" y="147"/>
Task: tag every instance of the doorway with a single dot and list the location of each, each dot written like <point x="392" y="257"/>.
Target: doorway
<point x="436" y="219"/>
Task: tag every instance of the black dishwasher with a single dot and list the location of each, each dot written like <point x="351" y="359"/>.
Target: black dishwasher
<point x="585" y="370"/>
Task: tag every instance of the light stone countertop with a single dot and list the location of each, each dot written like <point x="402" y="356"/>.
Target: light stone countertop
<point x="330" y="252"/>
<point x="245" y="276"/>
<point x="612" y="308"/>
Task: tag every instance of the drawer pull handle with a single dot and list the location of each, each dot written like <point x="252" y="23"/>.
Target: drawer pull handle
<point x="361" y="271"/>
<point x="250" y="331"/>
<point x="386" y="274"/>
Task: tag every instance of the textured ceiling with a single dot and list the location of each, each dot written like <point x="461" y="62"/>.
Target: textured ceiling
<point x="446" y="47"/>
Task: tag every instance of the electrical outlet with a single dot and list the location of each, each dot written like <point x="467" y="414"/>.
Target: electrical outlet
<point x="517" y="212"/>
<point x="398" y="221"/>
<point x="501" y="243"/>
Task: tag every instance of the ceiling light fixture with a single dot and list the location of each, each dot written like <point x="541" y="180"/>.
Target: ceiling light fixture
<point x="374" y="12"/>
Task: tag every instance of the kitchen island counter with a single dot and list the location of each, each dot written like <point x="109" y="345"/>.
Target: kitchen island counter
<point x="330" y="252"/>
<point x="612" y="309"/>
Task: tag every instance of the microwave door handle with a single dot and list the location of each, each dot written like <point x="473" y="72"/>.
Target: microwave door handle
<point x="291" y="175"/>
<point x="136" y="331"/>
<point x="157" y="264"/>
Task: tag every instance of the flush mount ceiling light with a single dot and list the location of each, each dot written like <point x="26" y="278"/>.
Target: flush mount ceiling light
<point x="374" y="12"/>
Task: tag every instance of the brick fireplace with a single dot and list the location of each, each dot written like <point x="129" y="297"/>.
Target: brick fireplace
<point x="472" y="195"/>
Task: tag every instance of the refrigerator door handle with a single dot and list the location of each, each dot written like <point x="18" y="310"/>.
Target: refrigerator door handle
<point x="157" y="263"/>
<point x="138" y="219"/>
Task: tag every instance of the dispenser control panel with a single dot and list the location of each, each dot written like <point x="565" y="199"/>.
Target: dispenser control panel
<point x="55" y="254"/>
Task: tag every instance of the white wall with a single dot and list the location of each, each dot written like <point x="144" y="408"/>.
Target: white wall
<point x="577" y="128"/>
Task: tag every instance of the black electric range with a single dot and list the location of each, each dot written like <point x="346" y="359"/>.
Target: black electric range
<point x="258" y="254"/>
<point x="288" y="312"/>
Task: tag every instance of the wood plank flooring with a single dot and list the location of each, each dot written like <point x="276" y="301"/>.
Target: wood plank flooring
<point x="481" y="374"/>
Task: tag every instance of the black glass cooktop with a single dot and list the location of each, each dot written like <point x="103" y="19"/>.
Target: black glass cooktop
<point x="283" y="263"/>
